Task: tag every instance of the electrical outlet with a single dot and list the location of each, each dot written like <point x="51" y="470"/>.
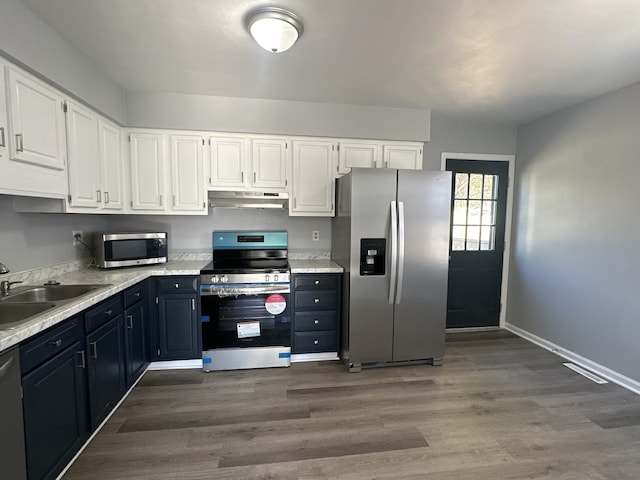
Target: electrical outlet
<point x="76" y="236"/>
<point x="315" y="235"/>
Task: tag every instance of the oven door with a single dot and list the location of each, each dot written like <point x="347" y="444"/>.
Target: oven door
<point x="257" y="320"/>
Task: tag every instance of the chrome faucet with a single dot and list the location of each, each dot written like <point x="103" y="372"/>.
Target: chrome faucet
<point x="5" y="287"/>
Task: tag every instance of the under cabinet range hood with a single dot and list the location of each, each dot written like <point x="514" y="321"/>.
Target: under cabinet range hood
<point x="248" y="199"/>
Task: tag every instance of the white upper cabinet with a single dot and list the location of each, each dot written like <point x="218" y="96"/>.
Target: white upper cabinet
<point x="36" y="121"/>
<point x="408" y="156"/>
<point x="269" y="163"/>
<point x="187" y="177"/>
<point x="4" y="131"/>
<point x="358" y="154"/>
<point x="110" y="137"/>
<point x="228" y="162"/>
<point x="314" y="167"/>
<point x="85" y="177"/>
<point x="148" y="158"/>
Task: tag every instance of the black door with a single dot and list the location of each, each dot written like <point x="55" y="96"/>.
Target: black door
<point x="478" y="213"/>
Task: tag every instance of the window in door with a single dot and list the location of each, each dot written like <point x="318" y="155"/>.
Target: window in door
<point x="474" y="212"/>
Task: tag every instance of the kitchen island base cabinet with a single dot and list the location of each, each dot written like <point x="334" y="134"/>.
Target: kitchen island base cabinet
<point x="54" y="398"/>
<point x="316" y="317"/>
<point x="178" y="335"/>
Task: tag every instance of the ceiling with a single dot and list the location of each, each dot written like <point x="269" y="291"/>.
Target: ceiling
<point x="502" y="61"/>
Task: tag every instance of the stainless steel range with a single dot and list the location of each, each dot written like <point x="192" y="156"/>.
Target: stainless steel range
<point x="246" y="320"/>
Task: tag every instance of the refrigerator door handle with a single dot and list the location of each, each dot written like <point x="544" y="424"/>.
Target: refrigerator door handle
<point x="400" y="251"/>
<point x="394" y="252"/>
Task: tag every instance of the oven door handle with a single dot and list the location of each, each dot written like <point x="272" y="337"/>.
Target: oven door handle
<point x="248" y="290"/>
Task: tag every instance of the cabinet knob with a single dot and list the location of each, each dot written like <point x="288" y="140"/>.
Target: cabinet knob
<point x="177" y="286"/>
<point x="316" y="300"/>
<point x="315" y="342"/>
<point x="316" y="322"/>
<point x="317" y="282"/>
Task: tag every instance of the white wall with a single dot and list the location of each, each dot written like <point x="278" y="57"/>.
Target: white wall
<point x="253" y="115"/>
<point x="34" y="240"/>
<point x="23" y="36"/>
<point x="193" y="234"/>
<point x="575" y="263"/>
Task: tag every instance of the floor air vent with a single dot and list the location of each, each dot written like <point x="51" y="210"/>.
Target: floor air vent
<point x="585" y="373"/>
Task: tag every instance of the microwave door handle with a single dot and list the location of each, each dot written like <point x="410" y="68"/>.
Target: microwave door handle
<point x="394" y="252"/>
<point x="400" y="251"/>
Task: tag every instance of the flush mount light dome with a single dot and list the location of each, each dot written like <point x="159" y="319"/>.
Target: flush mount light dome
<point x="275" y="29"/>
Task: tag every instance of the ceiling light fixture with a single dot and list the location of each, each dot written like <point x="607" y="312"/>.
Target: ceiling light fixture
<point x="275" y="29"/>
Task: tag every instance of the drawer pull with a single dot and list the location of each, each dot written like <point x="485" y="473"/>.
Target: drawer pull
<point x="316" y="322"/>
<point x="315" y="342"/>
<point x="137" y="294"/>
<point x="317" y="282"/>
<point x="108" y="312"/>
<point x="56" y="343"/>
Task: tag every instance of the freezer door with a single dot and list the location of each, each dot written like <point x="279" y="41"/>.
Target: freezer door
<point x="370" y="315"/>
<point x="420" y="309"/>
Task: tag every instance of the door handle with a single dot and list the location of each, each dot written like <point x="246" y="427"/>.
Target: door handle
<point x="394" y="252"/>
<point x="130" y="322"/>
<point x="193" y="304"/>
<point x="400" y="251"/>
<point x="3" y="144"/>
<point x="94" y="347"/>
<point x="98" y="196"/>
<point x="106" y="197"/>
<point x="20" y="145"/>
<point x="83" y="363"/>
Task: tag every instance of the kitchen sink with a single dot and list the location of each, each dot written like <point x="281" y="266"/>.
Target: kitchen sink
<point x="49" y="293"/>
<point x="15" y="312"/>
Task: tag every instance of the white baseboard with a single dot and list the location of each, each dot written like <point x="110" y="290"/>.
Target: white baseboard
<point x="601" y="370"/>
<point x="313" y="357"/>
<point x="176" y="364"/>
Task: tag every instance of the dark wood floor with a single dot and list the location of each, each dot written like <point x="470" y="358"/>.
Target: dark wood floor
<point x="499" y="408"/>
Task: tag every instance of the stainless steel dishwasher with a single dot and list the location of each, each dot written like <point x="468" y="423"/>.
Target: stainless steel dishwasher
<point x="12" y="456"/>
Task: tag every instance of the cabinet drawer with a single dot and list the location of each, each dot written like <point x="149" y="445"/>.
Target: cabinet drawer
<point x="311" y="342"/>
<point x="47" y="344"/>
<point x="134" y="294"/>
<point x="101" y="314"/>
<point x="315" y="321"/>
<point x="177" y="284"/>
<point x="322" y="280"/>
<point x="316" y="300"/>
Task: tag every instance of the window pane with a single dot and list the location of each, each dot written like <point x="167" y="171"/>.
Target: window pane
<point x="489" y="212"/>
<point x="475" y="185"/>
<point x="473" y="237"/>
<point x="462" y="185"/>
<point x="457" y="238"/>
<point x="487" y="241"/>
<point x="490" y="189"/>
<point x="460" y="212"/>
<point x="475" y="212"/>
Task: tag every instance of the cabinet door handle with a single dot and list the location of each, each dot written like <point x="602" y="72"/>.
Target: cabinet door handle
<point x="241" y="176"/>
<point x="98" y="196"/>
<point x="130" y="322"/>
<point x="82" y="363"/>
<point x="254" y="177"/>
<point x="56" y="343"/>
<point x="174" y="200"/>
<point x="3" y="144"/>
<point x="193" y="304"/>
<point x="94" y="347"/>
<point x="106" y="197"/>
<point x="161" y="200"/>
<point x="20" y="145"/>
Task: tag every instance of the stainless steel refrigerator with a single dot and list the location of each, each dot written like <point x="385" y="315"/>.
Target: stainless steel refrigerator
<point x="391" y="235"/>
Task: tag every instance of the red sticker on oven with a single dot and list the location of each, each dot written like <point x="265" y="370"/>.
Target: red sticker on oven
<point x="275" y="304"/>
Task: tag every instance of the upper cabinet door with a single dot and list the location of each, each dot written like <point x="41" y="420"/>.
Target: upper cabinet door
<point x="312" y="184"/>
<point x="269" y="163"/>
<point x="186" y="167"/>
<point x="111" y="160"/>
<point x="403" y="156"/>
<point x="358" y="154"/>
<point x="148" y="154"/>
<point x="37" y="122"/>
<point x="85" y="185"/>
<point x="228" y="162"/>
<point x="4" y="133"/>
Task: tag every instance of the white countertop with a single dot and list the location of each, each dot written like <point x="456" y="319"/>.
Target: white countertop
<point x="314" y="266"/>
<point x="114" y="280"/>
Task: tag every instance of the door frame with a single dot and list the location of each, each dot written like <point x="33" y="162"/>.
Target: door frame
<point x="509" y="215"/>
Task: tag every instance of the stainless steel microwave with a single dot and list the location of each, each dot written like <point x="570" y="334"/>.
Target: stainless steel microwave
<point x="129" y="249"/>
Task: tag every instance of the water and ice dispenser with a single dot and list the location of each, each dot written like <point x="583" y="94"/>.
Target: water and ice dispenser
<point x="372" y="256"/>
